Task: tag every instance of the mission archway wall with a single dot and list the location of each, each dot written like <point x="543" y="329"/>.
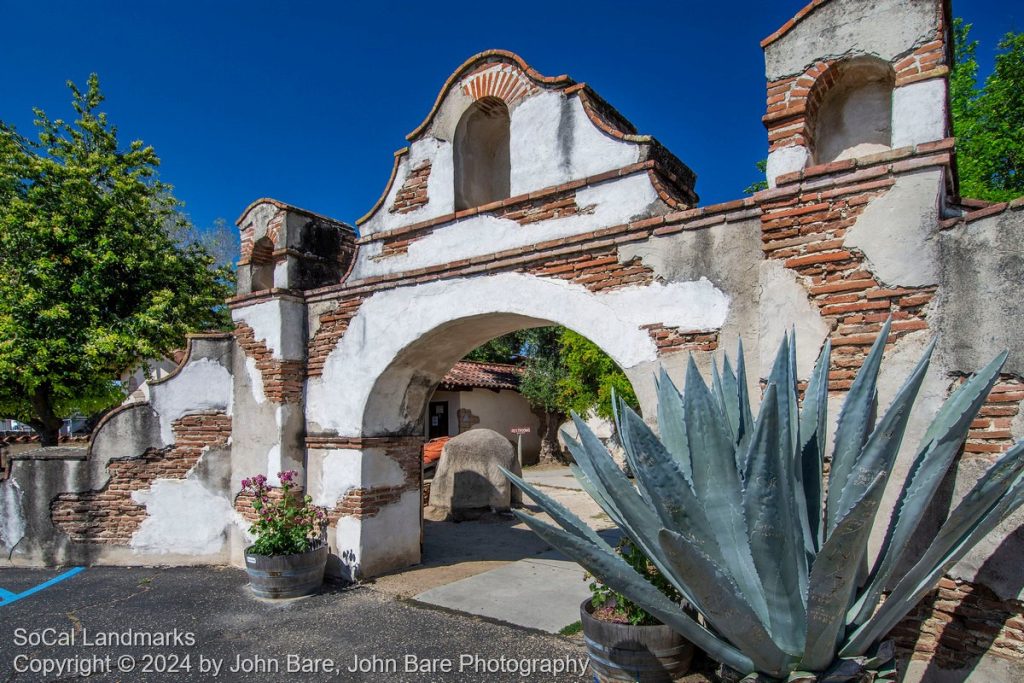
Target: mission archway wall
<point x="341" y="332"/>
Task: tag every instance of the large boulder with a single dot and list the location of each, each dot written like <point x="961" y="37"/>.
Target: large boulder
<point x="468" y="482"/>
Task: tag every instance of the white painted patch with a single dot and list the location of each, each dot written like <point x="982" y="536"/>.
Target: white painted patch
<point x="202" y="384"/>
<point x="359" y="545"/>
<point x="390" y="321"/>
<point x="896" y="231"/>
<point x="278" y="324"/>
<point x="183" y="517"/>
<point x="440" y="187"/>
<point x="785" y="160"/>
<point x="919" y="112"/>
<point x="611" y="203"/>
<point x="255" y="380"/>
<point x="553" y="141"/>
<point x="273" y="465"/>
<point x="12" y="516"/>
<point x="347" y="469"/>
<point x="784" y="305"/>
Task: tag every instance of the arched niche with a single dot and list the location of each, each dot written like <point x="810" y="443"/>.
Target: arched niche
<point x="481" y="149"/>
<point x="261" y="265"/>
<point x="852" y="114"/>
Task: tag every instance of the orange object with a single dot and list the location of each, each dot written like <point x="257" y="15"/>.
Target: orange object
<point x="432" y="449"/>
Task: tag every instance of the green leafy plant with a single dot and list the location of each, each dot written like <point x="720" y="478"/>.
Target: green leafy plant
<point x="94" y="280"/>
<point x="287" y="523"/>
<point x="621" y="608"/>
<point x="735" y="512"/>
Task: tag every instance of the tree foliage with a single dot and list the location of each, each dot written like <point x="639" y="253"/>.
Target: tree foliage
<point x="94" y="279"/>
<point x="988" y="121"/>
<point x="564" y="371"/>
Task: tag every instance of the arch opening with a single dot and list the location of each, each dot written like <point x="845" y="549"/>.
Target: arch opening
<point x="261" y="265"/>
<point x="481" y="154"/>
<point x="412" y="388"/>
<point x="853" y="114"/>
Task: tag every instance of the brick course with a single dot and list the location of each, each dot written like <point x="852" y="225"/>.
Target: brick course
<point x="282" y="379"/>
<point x="805" y="230"/>
<point x="413" y="193"/>
<point x="109" y="515"/>
<point x="367" y="502"/>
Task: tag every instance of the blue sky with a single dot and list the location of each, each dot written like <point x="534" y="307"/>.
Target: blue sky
<point x="306" y="101"/>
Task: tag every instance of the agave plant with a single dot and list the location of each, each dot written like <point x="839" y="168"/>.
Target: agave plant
<point x="737" y="514"/>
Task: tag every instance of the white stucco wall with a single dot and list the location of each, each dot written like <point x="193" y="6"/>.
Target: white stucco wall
<point x="553" y="141"/>
<point x="184" y="517"/>
<point x="202" y="384"/>
<point x="497" y="410"/>
<point x="393" y="320"/>
<point x="12" y="517"/>
<point x="883" y="28"/>
<point x="896" y="232"/>
<point x="610" y="203"/>
<point x="919" y="112"/>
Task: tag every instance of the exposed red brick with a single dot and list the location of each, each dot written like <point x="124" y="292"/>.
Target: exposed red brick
<point x="109" y="515"/>
<point x="282" y="379"/>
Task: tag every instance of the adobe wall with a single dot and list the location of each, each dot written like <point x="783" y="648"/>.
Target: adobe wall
<point x="340" y="339"/>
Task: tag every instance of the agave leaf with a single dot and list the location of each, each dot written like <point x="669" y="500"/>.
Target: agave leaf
<point x="718" y="390"/>
<point x="664" y="485"/>
<point x="732" y="399"/>
<point x="813" y="426"/>
<point x="884" y="443"/>
<point x="558" y="512"/>
<point x="609" y="508"/>
<point x="742" y="393"/>
<point x="717" y="483"/>
<point x="723" y="603"/>
<point x="938" y="448"/>
<point x="593" y="486"/>
<point x="615" y="573"/>
<point x="791" y="395"/>
<point x="672" y="425"/>
<point x="855" y="421"/>
<point x="994" y="496"/>
<point x="778" y="555"/>
<point x="834" y="578"/>
<point x="636" y="516"/>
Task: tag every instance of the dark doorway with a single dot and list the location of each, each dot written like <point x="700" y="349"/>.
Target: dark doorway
<point x="437" y="419"/>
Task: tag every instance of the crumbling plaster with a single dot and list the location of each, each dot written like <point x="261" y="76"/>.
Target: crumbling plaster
<point x="883" y="28"/>
<point x="552" y="141"/>
<point x="896" y="232"/>
<point x="390" y="321"/>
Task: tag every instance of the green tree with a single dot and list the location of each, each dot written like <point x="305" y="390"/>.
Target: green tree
<point x="564" y="371"/>
<point x="988" y="122"/>
<point x="758" y="185"/>
<point x="92" y="279"/>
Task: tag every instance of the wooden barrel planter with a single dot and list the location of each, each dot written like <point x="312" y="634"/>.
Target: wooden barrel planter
<point x="638" y="654"/>
<point x="286" y="576"/>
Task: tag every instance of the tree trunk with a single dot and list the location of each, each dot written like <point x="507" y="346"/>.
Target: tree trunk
<point x="46" y="422"/>
<point x="550" y="449"/>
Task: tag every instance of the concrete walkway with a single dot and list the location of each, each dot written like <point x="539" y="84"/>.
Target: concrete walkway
<point x="542" y="592"/>
<point x="554" y="477"/>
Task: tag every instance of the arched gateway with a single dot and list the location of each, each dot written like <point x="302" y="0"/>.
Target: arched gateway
<point x="340" y="339"/>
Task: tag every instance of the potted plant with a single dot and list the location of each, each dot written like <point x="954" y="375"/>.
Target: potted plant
<point x="624" y="641"/>
<point x="288" y="557"/>
<point x="738" y="515"/>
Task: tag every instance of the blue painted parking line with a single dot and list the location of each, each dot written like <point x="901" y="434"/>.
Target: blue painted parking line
<point x="7" y="597"/>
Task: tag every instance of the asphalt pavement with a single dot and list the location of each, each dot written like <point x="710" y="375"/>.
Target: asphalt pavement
<point x="203" y="624"/>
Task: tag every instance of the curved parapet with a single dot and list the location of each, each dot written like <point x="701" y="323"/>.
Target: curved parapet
<point x="152" y="487"/>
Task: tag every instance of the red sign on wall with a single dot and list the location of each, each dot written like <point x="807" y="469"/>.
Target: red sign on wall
<point x="520" y="430"/>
